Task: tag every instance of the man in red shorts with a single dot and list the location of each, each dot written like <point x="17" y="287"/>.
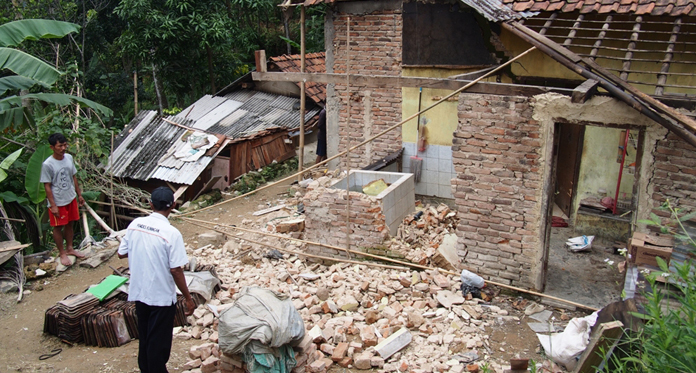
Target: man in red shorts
<point x="62" y="192"/>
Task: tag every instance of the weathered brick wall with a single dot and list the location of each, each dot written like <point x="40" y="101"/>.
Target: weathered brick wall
<point x="496" y="156"/>
<point x="325" y="221"/>
<point x="375" y="49"/>
<point x="674" y="174"/>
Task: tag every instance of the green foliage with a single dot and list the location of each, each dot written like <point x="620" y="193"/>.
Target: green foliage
<point x="667" y="342"/>
<point x="7" y="162"/>
<point x="251" y="180"/>
<point x="29" y="68"/>
<point x="32" y="180"/>
<point x="673" y="225"/>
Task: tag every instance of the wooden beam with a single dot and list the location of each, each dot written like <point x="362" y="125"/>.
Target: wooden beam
<point x="584" y="91"/>
<point x="603" y="339"/>
<point x="631" y="47"/>
<point x="662" y="77"/>
<point x="385" y="81"/>
<point x="180" y="191"/>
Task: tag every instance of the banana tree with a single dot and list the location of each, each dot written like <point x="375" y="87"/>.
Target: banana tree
<point x="31" y="72"/>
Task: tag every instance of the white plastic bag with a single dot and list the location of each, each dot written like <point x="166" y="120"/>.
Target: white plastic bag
<point x="564" y="347"/>
<point x="580" y="243"/>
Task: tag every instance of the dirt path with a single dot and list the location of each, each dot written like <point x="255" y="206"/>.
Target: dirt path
<point x="21" y="324"/>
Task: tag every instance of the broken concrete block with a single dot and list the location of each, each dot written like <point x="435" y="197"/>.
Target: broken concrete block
<point x="441" y="281"/>
<point x="348" y="303"/>
<point x="394" y="343"/>
<point x="447" y="298"/>
<point x="377" y="362"/>
<point x="191" y="364"/>
<point x="318" y="366"/>
<point x="213" y="238"/>
<point x="471" y="311"/>
<point x="329" y="307"/>
<point x="210" y="365"/>
<point x="415" y="319"/>
<point x="368" y="336"/>
<point x="317" y="334"/>
<point x="194" y="352"/>
<point x="371" y="316"/>
<point x="363" y="361"/>
<point x="294" y="225"/>
<point x="327" y="348"/>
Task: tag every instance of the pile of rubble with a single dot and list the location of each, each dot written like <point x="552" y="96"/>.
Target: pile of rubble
<point x="422" y="234"/>
<point x="350" y="312"/>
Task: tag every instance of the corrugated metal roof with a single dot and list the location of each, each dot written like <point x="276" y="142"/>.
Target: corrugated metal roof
<point x="201" y="107"/>
<point x="145" y="148"/>
<point x="493" y="10"/>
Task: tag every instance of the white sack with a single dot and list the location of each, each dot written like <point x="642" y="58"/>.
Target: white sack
<point x="564" y="347"/>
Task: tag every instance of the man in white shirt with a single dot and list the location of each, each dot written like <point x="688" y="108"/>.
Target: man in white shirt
<point x="156" y="255"/>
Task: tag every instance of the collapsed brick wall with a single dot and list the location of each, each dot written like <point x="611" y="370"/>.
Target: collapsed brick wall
<point x="674" y="174"/>
<point x="496" y="151"/>
<point x="375" y="49"/>
<point x="325" y="220"/>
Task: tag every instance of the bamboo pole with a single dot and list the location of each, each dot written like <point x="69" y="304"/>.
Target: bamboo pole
<point x="300" y="163"/>
<point x="111" y="178"/>
<point x="379" y="257"/>
<point x="348" y="226"/>
<point x="308" y="255"/>
<point x="444" y="99"/>
<point x="135" y="90"/>
<point x="99" y="219"/>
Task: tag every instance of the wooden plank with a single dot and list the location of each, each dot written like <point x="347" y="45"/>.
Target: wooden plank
<point x="631" y="47"/>
<point x="180" y="191"/>
<point x="15" y="247"/>
<point x="208" y="185"/>
<point x="260" y="59"/>
<point x="385" y="81"/>
<point x="603" y="339"/>
<point x="584" y="91"/>
<point x="600" y="37"/>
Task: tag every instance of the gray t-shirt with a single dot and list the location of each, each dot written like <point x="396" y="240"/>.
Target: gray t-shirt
<point x="60" y="175"/>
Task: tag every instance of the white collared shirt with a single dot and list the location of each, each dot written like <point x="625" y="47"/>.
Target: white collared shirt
<point x="153" y="247"/>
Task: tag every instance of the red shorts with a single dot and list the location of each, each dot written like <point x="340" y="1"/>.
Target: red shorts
<point x="66" y="214"/>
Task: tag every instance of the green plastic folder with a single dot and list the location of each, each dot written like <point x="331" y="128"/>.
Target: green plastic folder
<point x="109" y="284"/>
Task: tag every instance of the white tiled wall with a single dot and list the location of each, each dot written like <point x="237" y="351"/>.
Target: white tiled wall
<point x="436" y="172"/>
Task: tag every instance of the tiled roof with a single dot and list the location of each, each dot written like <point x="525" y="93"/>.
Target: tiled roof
<point x="314" y="63"/>
<point x="637" y="7"/>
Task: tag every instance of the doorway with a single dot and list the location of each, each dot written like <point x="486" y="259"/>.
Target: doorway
<point x="568" y="156"/>
<point x="585" y="167"/>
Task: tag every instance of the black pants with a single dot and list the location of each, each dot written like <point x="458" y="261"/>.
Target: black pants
<point x="155" y="325"/>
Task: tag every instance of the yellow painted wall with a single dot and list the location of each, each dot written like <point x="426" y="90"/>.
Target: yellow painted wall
<point x="599" y="168"/>
<point x="442" y="119"/>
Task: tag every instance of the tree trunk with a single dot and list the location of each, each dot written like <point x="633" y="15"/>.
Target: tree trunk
<point x="160" y="99"/>
<point x="211" y="72"/>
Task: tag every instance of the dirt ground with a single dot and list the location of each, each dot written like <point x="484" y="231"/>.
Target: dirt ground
<point x="21" y="324"/>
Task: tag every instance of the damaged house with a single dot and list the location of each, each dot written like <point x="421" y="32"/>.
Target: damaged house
<point x="218" y="138"/>
<point x="602" y="106"/>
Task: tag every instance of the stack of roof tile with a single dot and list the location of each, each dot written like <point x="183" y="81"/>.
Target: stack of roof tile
<point x="104" y="327"/>
<point x="314" y="63"/>
<point x="63" y="319"/>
